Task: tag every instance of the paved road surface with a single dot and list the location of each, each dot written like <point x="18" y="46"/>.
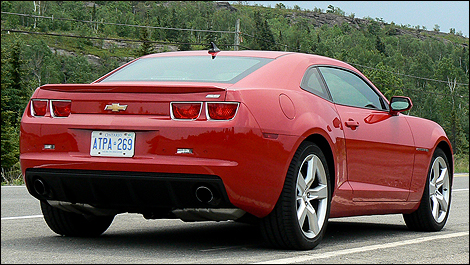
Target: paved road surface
<point x="26" y="238"/>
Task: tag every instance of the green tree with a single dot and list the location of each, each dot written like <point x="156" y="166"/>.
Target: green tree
<point x="9" y="144"/>
<point x="8" y="138"/>
<point x="389" y="84"/>
<point x="15" y="93"/>
<point x="44" y="66"/>
<point x="335" y="10"/>
<point x="373" y="27"/>
<point x="450" y="110"/>
<point x="77" y="70"/>
<point x="380" y="46"/>
<point x="185" y="41"/>
<point x="17" y="90"/>
<point x="280" y="6"/>
<point x="146" y="47"/>
<point x="264" y="36"/>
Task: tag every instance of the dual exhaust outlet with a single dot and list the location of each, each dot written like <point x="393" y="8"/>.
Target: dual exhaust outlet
<point x="40" y="187"/>
<point x="203" y="193"/>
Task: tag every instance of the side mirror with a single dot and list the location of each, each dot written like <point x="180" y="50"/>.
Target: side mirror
<point x="399" y="104"/>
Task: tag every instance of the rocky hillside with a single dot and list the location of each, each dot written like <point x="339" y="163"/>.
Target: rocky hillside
<point x="318" y="19"/>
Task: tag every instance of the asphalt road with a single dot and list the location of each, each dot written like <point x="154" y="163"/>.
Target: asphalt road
<point x="26" y="238"/>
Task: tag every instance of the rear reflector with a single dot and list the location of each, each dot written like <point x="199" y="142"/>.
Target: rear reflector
<point x="61" y="108"/>
<point x="186" y="110"/>
<point x="222" y="111"/>
<point x="38" y="107"/>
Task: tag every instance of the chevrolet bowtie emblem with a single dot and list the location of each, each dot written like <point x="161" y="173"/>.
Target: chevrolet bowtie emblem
<point x="115" y="107"/>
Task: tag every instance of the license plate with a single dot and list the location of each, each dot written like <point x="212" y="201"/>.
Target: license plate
<point x="116" y="144"/>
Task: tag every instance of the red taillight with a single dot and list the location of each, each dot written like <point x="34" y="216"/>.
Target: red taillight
<point x="38" y="107"/>
<point x="185" y="111"/>
<point x="222" y="111"/>
<point x="61" y="108"/>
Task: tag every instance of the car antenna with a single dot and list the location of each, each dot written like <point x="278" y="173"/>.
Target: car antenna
<point x="213" y="50"/>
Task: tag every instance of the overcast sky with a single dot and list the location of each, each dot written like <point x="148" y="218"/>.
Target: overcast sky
<point x="446" y="14"/>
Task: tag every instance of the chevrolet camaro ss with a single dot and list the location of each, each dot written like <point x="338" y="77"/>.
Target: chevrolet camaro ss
<point x="286" y="139"/>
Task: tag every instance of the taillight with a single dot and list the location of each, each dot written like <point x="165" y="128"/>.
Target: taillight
<point x="38" y="107"/>
<point x="61" y="108"/>
<point x="222" y="111"/>
<point x="186" y="110"/>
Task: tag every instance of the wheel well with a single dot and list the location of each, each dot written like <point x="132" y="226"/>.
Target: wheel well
<point x="445" y="147"/>
<point x="326" y="149"/>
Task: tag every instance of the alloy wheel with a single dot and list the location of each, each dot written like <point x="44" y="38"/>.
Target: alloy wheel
<point x="312" y="196"/>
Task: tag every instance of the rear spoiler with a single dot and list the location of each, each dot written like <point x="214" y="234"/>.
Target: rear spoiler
<point x="138" y="87"/>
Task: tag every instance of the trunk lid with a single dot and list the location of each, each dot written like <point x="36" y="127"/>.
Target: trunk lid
<point x="137" y="98"/>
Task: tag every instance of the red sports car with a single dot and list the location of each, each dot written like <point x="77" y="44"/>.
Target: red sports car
<point x="287" y="139"/>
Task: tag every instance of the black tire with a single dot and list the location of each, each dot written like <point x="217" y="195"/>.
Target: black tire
<point x="434" y="207"/>
<point x="282" y="228"/>
<point x="74" y="225"/>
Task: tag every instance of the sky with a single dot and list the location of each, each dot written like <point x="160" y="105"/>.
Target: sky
<point x="446" y="14"/>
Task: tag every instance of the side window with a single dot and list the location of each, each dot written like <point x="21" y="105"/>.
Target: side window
<point x="349" y="89"/>
<point x="312" y="83"/>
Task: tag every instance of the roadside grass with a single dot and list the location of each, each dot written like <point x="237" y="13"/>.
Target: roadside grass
<point x="461" y="163"/>
<point x="13" y="175"/>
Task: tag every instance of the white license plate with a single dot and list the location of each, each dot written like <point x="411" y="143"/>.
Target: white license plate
<point x="116" y="144"/>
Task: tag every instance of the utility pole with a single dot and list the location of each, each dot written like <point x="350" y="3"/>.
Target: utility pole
<point x="237" y="35"/>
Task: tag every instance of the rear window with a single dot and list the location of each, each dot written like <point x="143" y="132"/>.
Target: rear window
<point x="222" y="69"/>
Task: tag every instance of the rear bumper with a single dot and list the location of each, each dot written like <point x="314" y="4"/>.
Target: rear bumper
<point x="125" y="191"/>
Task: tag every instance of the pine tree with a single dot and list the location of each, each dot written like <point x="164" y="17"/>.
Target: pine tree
<point x="380" y="46"/>
<point x="146" y="47"/>
<point x="15" y="95"/>
<point x="264" y="36"/>
<point x="16" y="90"/>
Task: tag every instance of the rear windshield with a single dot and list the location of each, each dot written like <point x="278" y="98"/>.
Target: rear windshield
<point x="222" y="69"/>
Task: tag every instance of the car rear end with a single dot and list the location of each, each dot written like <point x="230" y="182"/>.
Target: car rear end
<point x="150" y="146"/>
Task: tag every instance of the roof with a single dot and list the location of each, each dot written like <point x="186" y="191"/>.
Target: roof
<point x="245" y="53"/>
<point x="250" y="53"/>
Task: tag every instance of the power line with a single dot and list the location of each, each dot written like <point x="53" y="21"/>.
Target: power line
<point x="115" y="39"/>
<point x="197" y="30"/>
<point x="169" y="43"/>
<point x="119" y="24"/>
<point x="161" y="42"/>
<point x="177" y="43"/>
<point x="275" y="43"/>
<point x="427" y="91"/>
<point x="417" y="77"/>
<point x="140" y="26"/>
<point x="203" y="30"/>
<point x="396" y="73"/>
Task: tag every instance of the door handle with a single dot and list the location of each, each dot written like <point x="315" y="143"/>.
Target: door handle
<point x="351" y="124"/>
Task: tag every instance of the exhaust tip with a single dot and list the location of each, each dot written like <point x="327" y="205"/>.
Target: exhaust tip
<point x="40" y="187"/>
<point x="204" y="194"/>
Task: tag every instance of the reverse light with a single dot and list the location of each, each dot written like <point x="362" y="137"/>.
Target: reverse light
<point x="61" y="108"/>
<point x="38" y="107"/>
<point x="185" y="110"/>
<point x="184" y="151"/>
<point x="49" y="147"/>
<point x="222" y="110"/>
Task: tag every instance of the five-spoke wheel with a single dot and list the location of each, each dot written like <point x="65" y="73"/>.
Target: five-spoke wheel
<point x="312" y="196"/>
<point x="299" y="219"/>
